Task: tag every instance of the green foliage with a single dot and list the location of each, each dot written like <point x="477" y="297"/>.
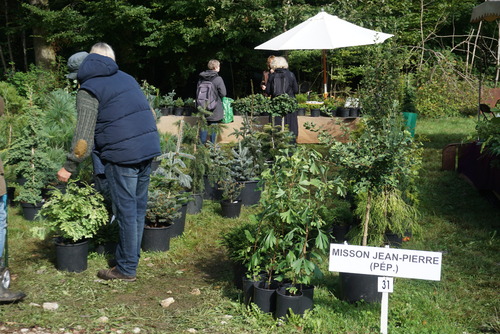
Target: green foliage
<point x="172" y="175"/>
<point x="409" y="97"/>
<point x="29" y="156"/>
<point x="242" y="166"/>
<point x="219" y="167"/>
<point x="76" y="214"/>
<point x="179" y="102"/>
<point x="59" y="120"/>
<point x="167" y="100"/>
<point x="337" y="212"/>
<point x="291" y="239"/>
<point x="443" y="91"/>
<point x="162" y="209"/>
<point x="36" y="83"/>
<point x="489" y="132"/>
<point x="282" y="105"/>
<point x="252" y="105"/>
<point x="231" y="189"/>
<point x="238" y="241"/>
<point x="11" y="122"/>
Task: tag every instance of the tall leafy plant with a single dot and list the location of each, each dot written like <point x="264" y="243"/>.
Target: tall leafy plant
<point x="291" y="238"/>
<point x="380" y="160"/>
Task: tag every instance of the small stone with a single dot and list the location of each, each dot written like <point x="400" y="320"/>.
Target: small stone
<point x="191" y="330"/>
<point x="227" y="317"/>
<point x="34" y="304"/>
<point x="50" y="306"/>
<point x="169" y="292"/>
<point x="167" y="302"/>
<point x="223" y="322"/>
<point x="136" y="330"/>
<point x="103" y="319"/>
<point x="24" y="330"/>
<point x="196" y="292"/>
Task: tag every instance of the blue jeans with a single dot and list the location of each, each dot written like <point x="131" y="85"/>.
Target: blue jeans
<point x="128" y="185"/>
<point x="204" y="133"/>
<point x="3" y="223"/>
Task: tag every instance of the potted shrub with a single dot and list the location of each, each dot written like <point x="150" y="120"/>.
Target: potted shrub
<point x="29" y="156"/>
<point x="73" y="216"/>
<point x="161" y="213"/>
<point x="292" y="239"/>
<point x="178" y="106"/>
<point x="171" y="178"/>
<point x="230" y="203"/>
<point x="244" y="169"/>
<point x="189" y="106"/>
<point x="167" y="103"/>
<point x="380" y="162"/>
<point x="280" y="106"/>
<point x="218" y="169"/>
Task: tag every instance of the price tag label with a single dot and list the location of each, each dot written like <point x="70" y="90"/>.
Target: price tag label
<point x="385" y="284"/>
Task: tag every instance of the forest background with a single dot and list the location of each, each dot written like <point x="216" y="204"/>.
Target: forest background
<point x="168" y="42"/>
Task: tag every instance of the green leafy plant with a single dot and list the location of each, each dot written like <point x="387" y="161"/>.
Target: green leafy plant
<point x="291" y="238"/>
<point x="75" y="214"/>
<point x="489" y="133"/>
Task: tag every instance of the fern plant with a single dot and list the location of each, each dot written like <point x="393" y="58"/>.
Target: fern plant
<point x="76" y="214"/>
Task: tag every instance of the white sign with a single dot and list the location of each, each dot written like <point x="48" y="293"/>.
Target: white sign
<point x="380" y="261"/>
<point x="385" y="284"/>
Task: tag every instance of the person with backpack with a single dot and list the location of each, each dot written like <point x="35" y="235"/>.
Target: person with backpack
<point x="209" y="93"/>
<point x="282" y="81"/>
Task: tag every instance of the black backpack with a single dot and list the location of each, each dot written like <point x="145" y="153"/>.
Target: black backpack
<point x="206" y="95"/>
<point x="279" y="85"/>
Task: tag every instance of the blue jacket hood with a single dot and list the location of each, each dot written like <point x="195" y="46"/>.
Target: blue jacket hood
<point x="96" y="65"/>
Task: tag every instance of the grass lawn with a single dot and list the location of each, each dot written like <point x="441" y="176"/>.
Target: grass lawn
<point x="455" y="219"/>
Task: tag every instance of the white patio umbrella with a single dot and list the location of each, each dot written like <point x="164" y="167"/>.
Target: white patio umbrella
<point x="321" y="32"/>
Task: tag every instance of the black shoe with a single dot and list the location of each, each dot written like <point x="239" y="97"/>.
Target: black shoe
<point x="7" y="296"/>
<point x="114" y="273"/>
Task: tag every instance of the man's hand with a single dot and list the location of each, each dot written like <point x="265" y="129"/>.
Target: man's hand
<point x="63" y="175"/>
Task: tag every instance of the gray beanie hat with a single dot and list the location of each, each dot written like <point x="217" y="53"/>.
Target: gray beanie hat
<point x="74" y="63"/>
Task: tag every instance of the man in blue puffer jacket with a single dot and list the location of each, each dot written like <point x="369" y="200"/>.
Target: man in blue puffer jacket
<point x="115" y="117"/>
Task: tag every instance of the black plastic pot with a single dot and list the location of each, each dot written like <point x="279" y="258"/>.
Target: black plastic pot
<point x="30" y="211"/>
<point x="342" y="112"/>
<point x="264" y="296"/>
<point x="179" y="223"/>
<point x="195" y="206"/>
<point x="286" y="302"/>
<point x="357" y="287"/>
<point x="315" y="112"/>
<point x="156" y="239"/>
<point x="72" y="257"/>
<point x="250" y="194"/>
<point x="230" y="209"/>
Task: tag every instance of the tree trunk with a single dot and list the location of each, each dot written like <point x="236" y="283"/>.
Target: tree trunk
<point x="45" y="54"/>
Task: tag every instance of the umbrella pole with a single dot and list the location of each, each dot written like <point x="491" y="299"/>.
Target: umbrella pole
<point x="325" y="88"/>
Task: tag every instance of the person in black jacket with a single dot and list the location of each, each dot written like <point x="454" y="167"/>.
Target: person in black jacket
<point x="212" y="74"/>
<point x="282" y="81"/>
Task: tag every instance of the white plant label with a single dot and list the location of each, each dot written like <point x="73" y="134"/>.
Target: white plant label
<point x="391" y="262"/>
